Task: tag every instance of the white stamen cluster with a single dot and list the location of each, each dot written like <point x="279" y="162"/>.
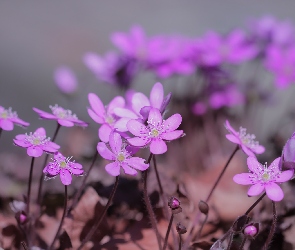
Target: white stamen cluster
<point x="264" y="174"/>
<point x="8" y="113"/>
<point x="248" y="139"/>
<point x="155" y="129"/>
<point x="37" y="139"/>
<point x="62" y="113"/>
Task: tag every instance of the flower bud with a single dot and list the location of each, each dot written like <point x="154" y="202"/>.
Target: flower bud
<point x="21" y="217"/>
<point x="251" y="230"/>
<point x="287" y="160"/>
<point x="203" y="206"/>
<point x="181" y="229"/>
<point x="174" y="203"/>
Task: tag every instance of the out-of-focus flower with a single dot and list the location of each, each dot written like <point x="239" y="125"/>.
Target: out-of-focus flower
<point x="63" y="116"/>
<point x="281" y="62"/>
<point x="36" y="143"/>
<point x="246" y="141"/>
<point x="264" y="178"/>
<point x="8" y="118"/>
<point x="64" y="167"/>
<point x="120" y="156"/>
<point x="113" y="68"/>
<point x="156" y="132"/>
<point x="65" y="80"/>
<point x="288" y="154"/>
<point x="199" y="108"/>
<point x="106" y="116"/>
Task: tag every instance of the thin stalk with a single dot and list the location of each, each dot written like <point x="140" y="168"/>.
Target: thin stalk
<point x="24" y="245"/>
<point x="149" y="205"/>
<point x="202" y="226"/>
<point x="243" y="243"/>
<point x="180" y="241"/>
<point x="29" y="187"/>
<point x="168" y="231"/>
<point x="44" y="164"/>
<point x="231" y="236"/>
<point x="0" y="132"/>
<point x="195" y="221"/>
<point x="255" y="204"/>
<point x="62" y="219"/>
<point x="100" y="219"/>
<point x="81" y="188"/>
<point x="273" y="227"/>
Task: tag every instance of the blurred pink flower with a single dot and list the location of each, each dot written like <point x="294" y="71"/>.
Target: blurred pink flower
<point x="36" y="143"/>
<point x="246" y="141"/>
<point x="65" y="80"/>
<point x="63" y="167"/>
<point x="264" y="178"/>
<point x="64" y="117"/>
<point x="8" y="118"/>
<point x="156" y="132"/>
<point x="121" y="157"/>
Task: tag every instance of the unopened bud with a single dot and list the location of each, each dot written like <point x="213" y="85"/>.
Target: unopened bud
<point x="181" y="229"/>
<point x="174" y="203"/>
<point x="21" y="217"/>
<point x="203" y="206"/>
<point x="251" y="230"/>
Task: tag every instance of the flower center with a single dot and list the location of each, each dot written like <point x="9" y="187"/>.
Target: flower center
<point x="110" y="119"/>
<point x="36" y="139"/>
<point x="62" y="164"/>
<point x="247" y="139"/>
<point x="62" y="113"/>
<point x="265" y="176"/>
<point x="121" y="157"/>
<point x="8" y="113"/>
<point x="155" y="129"/>
<point x="154" y="132"/>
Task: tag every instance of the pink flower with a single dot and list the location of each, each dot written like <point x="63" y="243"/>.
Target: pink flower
<point x="245" y="141"/>
<point x="264" y="178"/>
<point x="63" y="167"/>
<point x="65" y="80"/>
<point x="105" y="115"/>
<point x="120" y="156"/>
<point x="156" y="132"/>
<point x="63" y="116"/>
<point x="8" y="118"/>
<point x="36" y="143"/>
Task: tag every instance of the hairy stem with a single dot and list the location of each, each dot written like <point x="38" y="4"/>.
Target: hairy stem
<point x="149" y="205"/>
<point x="243" y="243"/>
<point x="168" y="231"/>
<point x="29" y="187"/>
<point x="100" y="218"/>
<point x="62" y="219"/>
<point x="255" y="204"/>
<point x="201" y="228"/>
<point x="81" y="188"/>
<point x="273" y="227"/>
<point x="180" y="241"/>
<point x="24" y="245"/>
<point x="231" y="236"/>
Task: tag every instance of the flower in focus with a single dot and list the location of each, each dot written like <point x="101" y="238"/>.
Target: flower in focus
<point x="65" y="80"/>
<point x="106" y="116"/>
<point x="63" y="116"/>
<point x="8" y="118"/>
<point x="156" y="132"/>
<point x="265" y="178"/>
<point x="121" y="157"/>
<point x="281" y="62"/>
<point x="64" y="167"/>
<point x="36" y="143"/>
<point x="245" y="141"/>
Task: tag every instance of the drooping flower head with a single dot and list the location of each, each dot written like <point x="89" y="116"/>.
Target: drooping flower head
<point x="246" y="141"/>
<point x="36" y="143"/>
<point x="8" y="118"/>
<point x="106" y="116"/>
<point x="65" y="80"/>
<point x="64" y="167"/>
<point x="121" y="157"/>
<point x="156" y="132"/>
<point x="64" y="117"/>
<point x="265" y="178"/>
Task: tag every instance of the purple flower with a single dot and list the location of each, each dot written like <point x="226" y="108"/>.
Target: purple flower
<point x="156" y="132"/>
<point x="64" y="117"/>
<point x="105" y="115"/>
<point x="121" y="157"/>
<point x="281" y="62"/>
<point x="36" y="143"/>
<point x="65" y="80"/>
<point x="264" y="178"/>
<point x="245" y="141"/>
<point x="8" y="118"/>
<point x="288" y="154"/>
<point x="64" y="167"/>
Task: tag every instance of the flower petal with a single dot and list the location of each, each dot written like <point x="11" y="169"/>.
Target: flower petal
<point x="40" y="131"/>
<point x="230" y="128"/>
<point x="158" y="147"/>
<point x="113" y="168"/>
<point x="253" y="164"/>
<point x="96" y="105"/>
<point x="44" y="114"/>
<point x="51" y="169"/>
<point x="139" y="100"/>
<point x="49" y="149"/>
<point x="20" y="122"/>
<point x="124" y="112"/>
<point x="95" y="117"/>
<point x="138" y="141"/>
<point x="76" y="169"/>
<point x="242" y="179"/>
<point x="104" y="151"/>
<point x="115" y="142"/>
<point x="169" y="136"/>
<point x="136" y="128"/>
<point x="256" y="189"/>
<point x="22" y="143"/>
<point x="172" y="122"/>
<point x="65" y="177"/>
<point x="121" y="124"/>
<point x="274" y="192"/>
<point x="6" y="124"/>
<point x="157" y="95"/>
<point x="156" y="117"/>
<point x="285" y="176"/>
<point x="248" y="151"/>
<point x="117" y="102"/>
<point x="127" y="169"/>
<point x="53" y="145"/>
<point x="137" y="163"/>
<point x="34" y="151"/>
<point x="65" y="123"/>
<point x="233" y="138"/>
<point x="104" y="132"/>
<point x="258" y="149"/>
